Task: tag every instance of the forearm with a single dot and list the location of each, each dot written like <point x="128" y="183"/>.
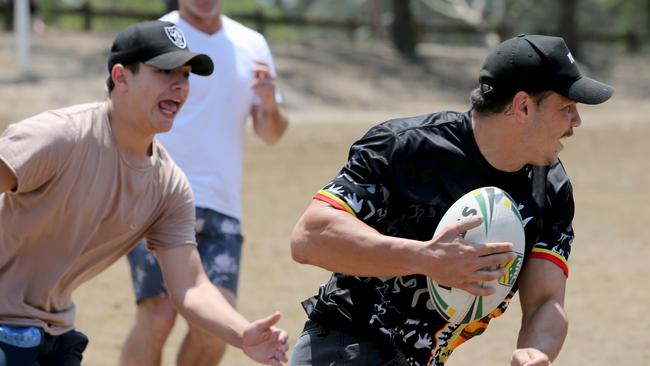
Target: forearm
<point x="204" y="306"/>
<point x="269" y="122"/>
<point x="544" y="329"/>
<point x="338" y="242"/>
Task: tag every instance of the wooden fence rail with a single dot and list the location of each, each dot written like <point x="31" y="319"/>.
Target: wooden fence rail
<point x="258" y="19"/>
<point x="261" y="22"/>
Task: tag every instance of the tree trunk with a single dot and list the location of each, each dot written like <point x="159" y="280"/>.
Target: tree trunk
<point x="376" y="19"/>
<point x="403" y="29"/>
<point x="647" y="20"/>
<point x="9" y="16"/>
<point x="568" y="27"/>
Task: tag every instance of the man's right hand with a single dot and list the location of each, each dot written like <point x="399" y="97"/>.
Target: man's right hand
<point x="453" y="261"/>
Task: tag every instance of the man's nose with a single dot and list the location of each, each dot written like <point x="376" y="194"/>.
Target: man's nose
<point x="576" y="121"/>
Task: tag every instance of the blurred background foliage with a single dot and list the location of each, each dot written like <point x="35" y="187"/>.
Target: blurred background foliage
<point x="406" y="23"/>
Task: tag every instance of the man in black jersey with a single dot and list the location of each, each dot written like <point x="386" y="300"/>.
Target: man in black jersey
<point x="373" y="224"/>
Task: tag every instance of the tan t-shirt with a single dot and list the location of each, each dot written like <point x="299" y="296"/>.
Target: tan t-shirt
<point x="77" y="208"/>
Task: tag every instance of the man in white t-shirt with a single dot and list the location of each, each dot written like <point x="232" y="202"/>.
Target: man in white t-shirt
<point x="207" y="142"/>
<point x="80" y="186"/>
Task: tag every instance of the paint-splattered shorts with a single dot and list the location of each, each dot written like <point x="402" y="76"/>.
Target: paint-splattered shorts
<point x="219" y="243"/>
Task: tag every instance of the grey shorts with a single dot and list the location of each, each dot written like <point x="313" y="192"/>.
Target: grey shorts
<point x="319" y="345"/>
<point x="219" y="243"/>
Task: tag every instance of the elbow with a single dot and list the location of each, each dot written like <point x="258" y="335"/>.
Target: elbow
<point x="311" y="235"/>
<point x="298" y="252"/>
<point x="272" y="137"/>
<point x="272" y="131"/>
<point x="300" y="245"/>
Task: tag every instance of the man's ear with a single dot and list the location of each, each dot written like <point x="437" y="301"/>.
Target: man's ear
<point x="520" y="103"/>
<point x="118" y="74"/>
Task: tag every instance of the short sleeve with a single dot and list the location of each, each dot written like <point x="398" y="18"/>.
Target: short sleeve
<point x="36" y="149"/>
<point x="362" y="187"/>
<point x="264" y="54"/>
<point x="175" y="225"/>
<point x="554" y="243"/>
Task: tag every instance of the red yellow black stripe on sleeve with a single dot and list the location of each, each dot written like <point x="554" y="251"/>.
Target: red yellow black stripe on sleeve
<point x="553" y="257"/>
<point x="334" y="201"/>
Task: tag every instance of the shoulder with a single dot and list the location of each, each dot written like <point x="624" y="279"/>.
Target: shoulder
<point x="85" y="120"/>
<point x="82" y="112"/>
<point x="172" y="17"/>
<point x="235" y="29"/>
<point x="62" y="125"/>
<point x="436" y="127"/>
<point x="425" y="123"/>
<point x="410" y="140"/>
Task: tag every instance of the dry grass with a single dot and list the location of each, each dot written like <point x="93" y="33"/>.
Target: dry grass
<point x="606" y="296"/>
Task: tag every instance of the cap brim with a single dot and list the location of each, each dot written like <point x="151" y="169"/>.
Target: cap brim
<point x="201" y="63"/>
<point x="588" y="91"/>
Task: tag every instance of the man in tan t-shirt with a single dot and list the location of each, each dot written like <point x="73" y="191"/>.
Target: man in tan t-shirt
<point x="80" y="186"/>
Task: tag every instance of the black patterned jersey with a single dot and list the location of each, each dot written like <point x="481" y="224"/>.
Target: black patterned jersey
<point x="400" y="178"/>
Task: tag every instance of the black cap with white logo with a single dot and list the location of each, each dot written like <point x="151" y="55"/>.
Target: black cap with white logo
<point x="158" y="44"/>
<point x="534" y="63"/>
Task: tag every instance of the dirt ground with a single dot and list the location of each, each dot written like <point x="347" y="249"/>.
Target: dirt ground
<point x="333" y="94"/>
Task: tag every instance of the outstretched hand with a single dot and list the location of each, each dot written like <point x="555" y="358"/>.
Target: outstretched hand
<point x="265" y="343"/>
<point x="464" y="265"/>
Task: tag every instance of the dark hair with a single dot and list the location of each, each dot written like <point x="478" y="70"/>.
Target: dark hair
<point x="134" y="67"/>
<point x="498" y="104"/>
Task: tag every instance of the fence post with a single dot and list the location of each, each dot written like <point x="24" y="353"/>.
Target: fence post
<point x="632" y="42"/>
<point x="351" y="28"/>
<point x="260" y="21"/>
<point x="87" y="12"/>
<point x="9" y="16"/>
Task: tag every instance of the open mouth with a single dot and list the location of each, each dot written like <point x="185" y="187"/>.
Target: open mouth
<point x="169" y="107"/>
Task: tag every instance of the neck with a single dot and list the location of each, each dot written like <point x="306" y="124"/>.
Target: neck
<point x="209" y="24"/>
<point x="134" y="144"/>
<point x="498" y="141"/>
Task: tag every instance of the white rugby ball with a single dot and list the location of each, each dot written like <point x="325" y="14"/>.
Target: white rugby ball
<point x="501" y="223"/>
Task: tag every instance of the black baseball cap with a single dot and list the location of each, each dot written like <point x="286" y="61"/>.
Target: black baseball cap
<point x="534" y="63"/>
<point x="158" y="44"/>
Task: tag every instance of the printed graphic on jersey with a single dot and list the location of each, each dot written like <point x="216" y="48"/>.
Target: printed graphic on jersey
<point x="400" y="179"/>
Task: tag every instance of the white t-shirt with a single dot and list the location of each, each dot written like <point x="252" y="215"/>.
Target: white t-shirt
<point x="207" y="138"/>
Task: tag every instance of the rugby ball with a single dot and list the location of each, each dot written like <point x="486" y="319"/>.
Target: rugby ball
<point x="501" y="223"/>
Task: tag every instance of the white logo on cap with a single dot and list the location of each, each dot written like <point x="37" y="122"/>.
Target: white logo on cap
<point x="570" y="58"/>
<point x="175" y="35"/>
